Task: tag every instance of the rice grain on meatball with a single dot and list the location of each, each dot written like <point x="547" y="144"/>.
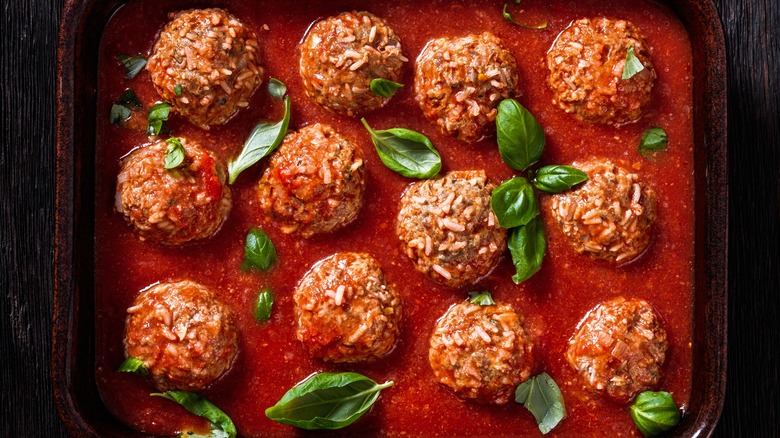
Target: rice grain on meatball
<point x="206" y="64"/>
<point x="586" y="68"/>
<point x="481" y="353"/>
<point x="448" y="229"/>
<point x="341" y="55"/>
<point x="346" y="311"/>
<point x="314" y="182"/>
<point x="459" y="83"/>
<point x="173" y="206"/>
<point x="619" y="349"/>
<point x="186" y="338"/>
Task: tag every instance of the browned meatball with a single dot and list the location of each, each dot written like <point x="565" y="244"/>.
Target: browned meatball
<point x="448" y="229"/>
<point x="341" y="55"/>
<point x="186" y="338"/>
<point x="314" y="182"/>
<point x="346" y="311"/>
<point x="481" y="352"/>
<point x="619" y="349"/>
<point x="609" y="217"/>
<point x="586" y="68"/>
<point x="206" y="64"/>
<point x="459" y="82"/>
<point x="173" y="206"/>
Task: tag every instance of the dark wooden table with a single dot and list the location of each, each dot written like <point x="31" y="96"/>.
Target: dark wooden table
<point x="29" y="34"/>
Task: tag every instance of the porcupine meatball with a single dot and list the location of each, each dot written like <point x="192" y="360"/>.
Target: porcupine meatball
<point x="206" y="64"/>
<point x="341" y="55"/>
<point x="346" y="311"/>
<point x="586" y="68"/>
<point x="619" y="349"/>
<point x="610" y="216"/>
<point x="448" y="229"/>
<point x="459" y="82"/>
<point x="173" y="206"/>
<point x="481" y="352"/>
<point x="186" y="338"/>
<point x="314" y="182"/>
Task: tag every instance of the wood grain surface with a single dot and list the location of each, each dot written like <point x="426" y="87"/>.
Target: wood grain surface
<point x="29" y="35"/>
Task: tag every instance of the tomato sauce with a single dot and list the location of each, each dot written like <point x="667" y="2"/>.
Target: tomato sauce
<point x="271" y="360"/>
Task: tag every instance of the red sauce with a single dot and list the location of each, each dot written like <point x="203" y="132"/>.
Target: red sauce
<point x="271" y="360"/>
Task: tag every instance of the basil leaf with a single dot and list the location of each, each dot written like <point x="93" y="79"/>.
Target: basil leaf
<point x="132" y="64"/>
<point x="653" y="140"/>
<point x="202" y="408"/>
<point x="514" y="202"/>
<point x="265" y="301"/>
<point x="383" y="87"/>
<point x="133" y="365"/>
<point x="177" y="90"/>
<point x="558" y="178"/>
<point x="327" y="401"/>
<point x="276" y="88"/>
<point x="129" y="99"/>
<point x="158" y="115"/>
<point x="481" y="298"/>
<point x="632" y="65"/>
<point x="508" y="17"/>
<point x="406" y="152"/>
<point x="655" y="413"/>
<point x="174" y="154"/>
<point x="119" y="113"/>
<point x="527" y="246"/>
<point x="542" y="397"/>
<point x="520" y="137"/>
<point x="261" y="142"/>
<point x="259" y="251"/>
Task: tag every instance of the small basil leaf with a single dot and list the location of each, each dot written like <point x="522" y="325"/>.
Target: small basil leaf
<point x="265" y="301"/>
<point x="655" y="413"/>
<point x="481" y="298"/>
<point x="202" y="408"/>
<point x="174" y="154"/>
<point x="653" y="140"/>
<point x="129" y="99"/>
<point x="406" y="152"/>
<point x="119" y="113"/>
<point x="514" y="202"/>
<point x="262" y="141"/>
<point x="508" y="17"/>
<point x="520" y="137"/>
<point x="527" y="246"/>
<point x="133" y="365"/>
<point x="632" y="66"/>
<point x="383" y="87"/>
<point x="132" y="64"/>
<point x="558" y="178"/>
<point x="327" y="401"/>
<point x="158" y="115"/>
<point x="542" y="397"/>
<point x="276" y="88"/>
<point x="177" y="90"/>
<point x="259" y="251"/>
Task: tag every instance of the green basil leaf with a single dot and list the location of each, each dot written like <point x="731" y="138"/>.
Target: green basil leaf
<point x="174" y="154"/>
<point x="514" y="202"/>
<point x="558" y="178"/>
<point x="481" y="298"/>
<point x="383" y="87"/>
<point x="276" y="88"/>
<point x="655" y="413"/>
<point x="527" y="246"/>
<point x="265" y="301"/>
<point x="406" y="152"/>
<point x="158" y="115"/>
<point x="259" y="251"/>
<point x="177" y="90"/>
<point x="508" y="17"/>
<point x="132" y="64"/>
<point x="653" y="140"/>
<point x="129" y="99"/>
<point x="520" y="137"/>
<point x="632" y="66"/>
<point x="119" y="113"/>
<point x="262" y="141"/>
<point x="133" y="365"/>
<point x="202" y="408"/>
<point x="327" y="401"/>
<point x="542" y="397"/>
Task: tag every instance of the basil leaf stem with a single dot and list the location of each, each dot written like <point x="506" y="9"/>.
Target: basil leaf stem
<point x="259" y="251"/>
<point x="406" y="152"/>
<point x="655" y="413"/>
<point x="158" y="115"/>
<point x="514" y="202"/>
<point x="202" y="408"/>
<point x="558" y="178"/>
<point x="542" y="397"/>
<point x="276" y="88"/>
<point x="527" y="245"/>
<point x="508" y="17"/>
<point x="383" y="87"/>
<point x="653" y="140"/>
<point x="133" y="365"/>
<point x="174" y="154"/>
<point x="327" y="401"/>
<point x="263" y="306"/>
<point x="632" y="65"/>
<point x="132" y="64"/>
<point x="520" y="137"/>
<point x="481" y="298"/>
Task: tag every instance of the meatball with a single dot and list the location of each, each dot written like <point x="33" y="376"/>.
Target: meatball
<point x="459" y="82"/>
<point x="481" y="352"/>
<point x="586" y="68"/>
<point x="341" y="55"/>
<point x="448" y="229"/>
<point x="206" y="63"/>
<point x="619" y="349"/>
<point x="186" y="338"/>
<point x="314" y="182"/>
<point x="173" y="206"/>
<point x="346" y="311"/>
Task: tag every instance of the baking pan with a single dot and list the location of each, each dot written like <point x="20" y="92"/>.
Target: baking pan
<point x="73" y="355"/>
